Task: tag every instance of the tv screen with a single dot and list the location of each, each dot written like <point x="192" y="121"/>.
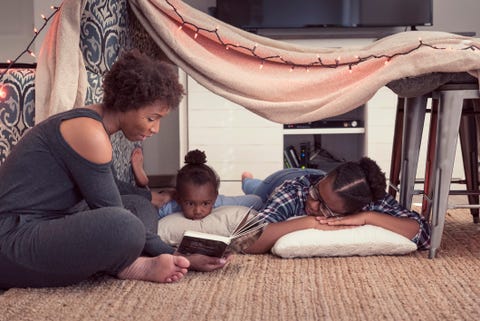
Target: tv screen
<point x="259" y="14"/>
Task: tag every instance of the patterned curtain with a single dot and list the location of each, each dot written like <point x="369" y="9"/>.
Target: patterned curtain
<point x="17" y="112"/>
<point x="103" y="37"/>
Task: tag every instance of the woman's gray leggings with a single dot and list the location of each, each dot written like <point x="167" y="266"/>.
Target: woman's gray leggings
<point x="58" y="250"/>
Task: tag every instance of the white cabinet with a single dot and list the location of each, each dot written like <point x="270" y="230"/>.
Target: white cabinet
<point x="330" y="141"/>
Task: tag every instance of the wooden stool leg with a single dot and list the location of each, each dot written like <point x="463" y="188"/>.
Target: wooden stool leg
<point x="468" y="142"/>
<point x="397" y="148"/>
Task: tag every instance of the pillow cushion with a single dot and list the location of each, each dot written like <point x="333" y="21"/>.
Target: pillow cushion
<point x="362" y="241"/>
<point x="221" y="221"/>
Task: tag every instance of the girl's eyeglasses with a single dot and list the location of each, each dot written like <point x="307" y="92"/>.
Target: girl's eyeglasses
<point x="324" y="209"/>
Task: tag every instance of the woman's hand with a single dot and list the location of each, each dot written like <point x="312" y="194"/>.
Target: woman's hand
<point x="161" y="198"/>
<point x="203" y="263"/>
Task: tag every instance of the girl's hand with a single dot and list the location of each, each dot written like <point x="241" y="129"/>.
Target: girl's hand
<point x="352" y="220"/>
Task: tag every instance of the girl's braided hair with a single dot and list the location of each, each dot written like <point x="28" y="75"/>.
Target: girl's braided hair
<point x="359" y="183"/>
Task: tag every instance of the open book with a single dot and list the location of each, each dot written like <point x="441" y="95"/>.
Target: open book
<point x="245" y="233"/>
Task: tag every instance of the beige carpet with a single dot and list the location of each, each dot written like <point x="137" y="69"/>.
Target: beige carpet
<point x="265" y="287"/>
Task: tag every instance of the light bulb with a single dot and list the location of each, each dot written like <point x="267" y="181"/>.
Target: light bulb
<point x="3" y="93"/>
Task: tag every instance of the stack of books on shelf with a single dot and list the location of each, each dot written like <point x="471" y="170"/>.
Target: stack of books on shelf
<point x="293" y="159"/>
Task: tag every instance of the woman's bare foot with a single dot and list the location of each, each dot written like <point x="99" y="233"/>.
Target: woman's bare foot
<point x="165" y="268"/>
<point x="246" y="175"/>
<point x="136" y="159"/>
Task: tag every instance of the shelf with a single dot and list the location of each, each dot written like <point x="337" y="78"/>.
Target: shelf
<point x="314" y="131"/>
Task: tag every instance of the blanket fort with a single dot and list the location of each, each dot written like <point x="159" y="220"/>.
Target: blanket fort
<point x="282" y="82"/>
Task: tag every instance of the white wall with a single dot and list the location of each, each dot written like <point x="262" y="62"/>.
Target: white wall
<point x="17" y="22"/>
<point x="456" y="16"/>
<point x="16" y="30"/>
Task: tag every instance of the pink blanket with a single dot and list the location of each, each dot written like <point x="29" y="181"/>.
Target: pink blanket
<point x="228" y="61"/>
<point x="276" y="80"/>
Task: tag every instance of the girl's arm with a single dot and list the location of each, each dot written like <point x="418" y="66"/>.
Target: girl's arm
<point x="405" y="226"/>
<point x="391" y="215"/>
<point x="274" y="231"/>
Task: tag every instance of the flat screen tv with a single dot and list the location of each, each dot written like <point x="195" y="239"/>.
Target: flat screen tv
<point x="261" y="14"/>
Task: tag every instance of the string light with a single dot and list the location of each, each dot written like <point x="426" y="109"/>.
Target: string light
<point x="318" y="61"/>
<point x="28" y="50"/>
<point x="3" y="92"/>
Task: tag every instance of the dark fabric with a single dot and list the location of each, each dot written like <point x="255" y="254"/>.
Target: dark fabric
<point x="147" y="213"/>
<point x="40" y="251"/>
<point x="424" y="84"/>
<point x="44" y="251"/>
<point x="127" y="189"/>
<point x="43" y="174"/>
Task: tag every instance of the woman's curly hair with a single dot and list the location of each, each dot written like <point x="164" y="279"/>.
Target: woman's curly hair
<point x="359" y="183"/>
<point x="196" y="171"/>
<point x="136" y="80"/>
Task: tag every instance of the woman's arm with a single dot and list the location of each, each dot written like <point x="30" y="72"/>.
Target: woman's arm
<point x="274" y="231"/>
<point x="89" y="162"/>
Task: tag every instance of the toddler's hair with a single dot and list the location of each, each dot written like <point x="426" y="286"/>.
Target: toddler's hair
<point x="359" y="183"/>
<point x="196" y="172"/>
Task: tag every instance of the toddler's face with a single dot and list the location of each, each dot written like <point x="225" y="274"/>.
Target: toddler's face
<point x="197" y="201"/>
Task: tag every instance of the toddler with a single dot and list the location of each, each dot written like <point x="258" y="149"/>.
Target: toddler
<point x="197" y="187"/>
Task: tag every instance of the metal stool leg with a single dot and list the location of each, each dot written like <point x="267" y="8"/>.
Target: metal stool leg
<point x="449" y="113"/>
<point x="427" y="199"/>
<point x="415" y="109"/>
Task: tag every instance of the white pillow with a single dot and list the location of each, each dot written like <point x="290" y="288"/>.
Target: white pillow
<point x="363" y="240"/>
<point x="221" y="221"/>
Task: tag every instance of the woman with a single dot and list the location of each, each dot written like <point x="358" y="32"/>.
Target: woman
<point x="350" y="195"/>
<point x="62" y="218"/>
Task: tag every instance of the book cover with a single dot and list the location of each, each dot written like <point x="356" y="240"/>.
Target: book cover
<point x="245" y="233"/>
<point x="203" y="243"/>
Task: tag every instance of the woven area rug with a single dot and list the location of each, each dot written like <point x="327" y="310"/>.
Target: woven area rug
<point x="265" y="287"/>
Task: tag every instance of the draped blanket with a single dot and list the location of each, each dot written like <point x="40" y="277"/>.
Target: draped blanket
<point x="61" y="78"/>
<point x="279" y="81"/>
